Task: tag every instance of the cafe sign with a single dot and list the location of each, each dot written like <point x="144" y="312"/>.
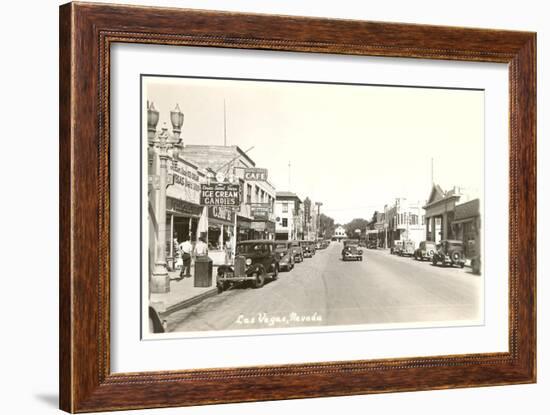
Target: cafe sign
<point x="221" y="214"/>
<point x="220" y="194"/>
<point x="254" y="174"/>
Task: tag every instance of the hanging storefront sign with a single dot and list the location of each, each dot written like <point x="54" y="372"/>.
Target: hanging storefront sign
<point x="221" y="215"/>
<point x="220" y="194"/>
<point x="254" y="174"/>
<point x="260" y="211"/>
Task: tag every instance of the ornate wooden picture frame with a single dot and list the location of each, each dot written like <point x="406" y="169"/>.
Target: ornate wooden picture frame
<point x="87" y="32"/>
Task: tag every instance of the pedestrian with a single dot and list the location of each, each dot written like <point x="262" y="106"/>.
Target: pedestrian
<point x="185" y="249"/>
<point x="201" y="248"/>
<point x="228" y="251"/>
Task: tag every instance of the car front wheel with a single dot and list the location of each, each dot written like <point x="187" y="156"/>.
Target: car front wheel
<point x="259" y="279"/>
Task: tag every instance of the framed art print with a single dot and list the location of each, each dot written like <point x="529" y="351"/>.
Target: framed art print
<point x="292" y="206"/>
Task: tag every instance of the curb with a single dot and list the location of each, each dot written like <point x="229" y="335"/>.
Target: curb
<point x="189" y="302"/>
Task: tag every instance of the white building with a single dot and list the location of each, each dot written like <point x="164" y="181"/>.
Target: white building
<point x="406" y="221"/>
<point x="288" y="216"/>
<point x="339" y="233"/>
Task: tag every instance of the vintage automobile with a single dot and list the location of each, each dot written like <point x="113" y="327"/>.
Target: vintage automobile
<point x="297" y="251"/>
<point x="407" y="248"/>
<point x="286" y="258"/>
<point x="308" y="248"/>
<point x="255" y="262"/>
<point x="349" y="242"/>
<point x="396" y="249"/>
<point x="372" y="245"/>
<point x="425" y="250"/>
<point x="450" y="252"/>
<point x="308" y="252"/>
<point x="351" y="252"/>
<point x="156" y="325"/>
<point x="313" y="246"/>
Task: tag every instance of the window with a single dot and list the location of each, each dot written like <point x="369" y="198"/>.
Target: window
<point x="285" y="207"/>
<point x="249" y="193"/>
<point x="285" y="222"/>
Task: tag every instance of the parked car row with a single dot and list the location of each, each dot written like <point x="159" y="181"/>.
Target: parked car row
<point x="257" y="261"/>
<point x="447" y="252"/>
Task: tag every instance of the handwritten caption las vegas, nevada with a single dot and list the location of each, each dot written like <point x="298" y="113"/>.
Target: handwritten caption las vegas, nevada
<point x="270" y="320"/>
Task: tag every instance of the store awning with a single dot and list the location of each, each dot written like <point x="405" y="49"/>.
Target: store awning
<point x="183" y="208"/>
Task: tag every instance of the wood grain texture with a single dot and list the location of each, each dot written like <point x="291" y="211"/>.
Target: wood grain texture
<point x="86" y="33"/>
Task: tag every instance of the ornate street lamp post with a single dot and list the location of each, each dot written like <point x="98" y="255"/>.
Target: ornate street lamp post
<point x="164" y="146"/>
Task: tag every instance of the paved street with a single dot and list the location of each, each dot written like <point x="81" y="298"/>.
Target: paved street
<point x="323" y="290"/>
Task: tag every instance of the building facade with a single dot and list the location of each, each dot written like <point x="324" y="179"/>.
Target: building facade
<point x="405" y="221"/>
<point x="288" y="216"/>
<point x="442" y="208"/>
<point x="254" y="218"/>
<point x="466" y="227"/>
<point x="339" y="233"/>
<point x="311" y="212"/>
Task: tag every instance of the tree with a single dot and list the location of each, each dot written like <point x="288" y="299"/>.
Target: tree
<point x="374" y="219"/>
<point x="357" y="223"/>
<point x="327" y="226"/>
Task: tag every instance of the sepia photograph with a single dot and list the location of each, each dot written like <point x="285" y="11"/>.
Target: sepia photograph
<point x="276" y="206"/>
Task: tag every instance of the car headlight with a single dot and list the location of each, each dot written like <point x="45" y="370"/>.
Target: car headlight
<point x="282" y="254"/>
<point x="248" y="261"/>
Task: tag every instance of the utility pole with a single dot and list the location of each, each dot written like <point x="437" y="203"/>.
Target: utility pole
<point x="318" y="220"/>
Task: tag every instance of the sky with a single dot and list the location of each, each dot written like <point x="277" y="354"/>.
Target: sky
<point x="354" y="148"/>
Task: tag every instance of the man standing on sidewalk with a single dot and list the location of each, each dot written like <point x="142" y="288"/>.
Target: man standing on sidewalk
<point x="201" y="249"/>
<point x="185" y="249"/>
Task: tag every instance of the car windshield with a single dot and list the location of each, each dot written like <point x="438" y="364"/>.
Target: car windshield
<point x="281" y="247"/>
<point x="252" y="248"/>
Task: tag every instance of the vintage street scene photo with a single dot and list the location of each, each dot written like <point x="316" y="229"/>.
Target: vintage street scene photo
<point x="271" y="206"/>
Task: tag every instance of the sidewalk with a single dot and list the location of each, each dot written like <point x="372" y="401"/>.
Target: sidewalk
<point x="182" y="293"/>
